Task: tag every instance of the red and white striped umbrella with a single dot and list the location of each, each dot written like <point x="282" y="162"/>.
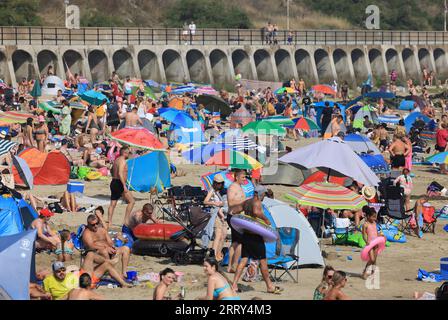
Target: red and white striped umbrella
<point x="206" y="90"/>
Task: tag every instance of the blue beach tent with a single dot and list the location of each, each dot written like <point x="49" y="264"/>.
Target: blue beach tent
<point x="16" y="215"/>
<point x="149" y="171"/>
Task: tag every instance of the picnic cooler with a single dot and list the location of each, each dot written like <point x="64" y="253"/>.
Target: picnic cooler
<point x="444" y="267"/>
<point x="75" y="186"/>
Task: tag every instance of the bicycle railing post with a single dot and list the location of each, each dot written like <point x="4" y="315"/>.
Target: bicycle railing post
<point x="139" y="39"/>
<point x="70" y="36"/>
<point x="238" y="35"/>
<point x="29" y="35"/>
<point x="216" y="36"/>
<point x="97" y="36"/>
<point x="16" y="33"/>
<point x="203" y="36"/>
<point x="228" y="36"/>
<point x="127" y="36"/>
<point x="152" y="36"/>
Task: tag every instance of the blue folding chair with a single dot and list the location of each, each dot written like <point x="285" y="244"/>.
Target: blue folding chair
<point x="285" y="254"/>
<point x="77" y="241"/>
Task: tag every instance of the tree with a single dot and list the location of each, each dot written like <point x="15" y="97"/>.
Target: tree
<point x="19" y="13"/>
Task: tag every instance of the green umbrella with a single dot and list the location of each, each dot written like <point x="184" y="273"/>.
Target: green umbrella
<point x="264" y="128"/>
<point x="36" y="92"/>
<point x="280" y="120"/>
<point x="148" y="92"/>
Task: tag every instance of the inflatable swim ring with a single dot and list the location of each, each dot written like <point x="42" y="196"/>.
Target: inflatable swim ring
<point x="380" y="242"/>
<point x="156" y="231"/>
<point x="242" y="222"/>
<point x="94" y="175"/>
<point x="392" y="234"/>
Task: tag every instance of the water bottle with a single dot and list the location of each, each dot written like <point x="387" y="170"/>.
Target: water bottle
<point x="183" y="292"/>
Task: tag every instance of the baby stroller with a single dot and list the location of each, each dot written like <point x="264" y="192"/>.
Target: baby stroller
<point x="193" y="253"/>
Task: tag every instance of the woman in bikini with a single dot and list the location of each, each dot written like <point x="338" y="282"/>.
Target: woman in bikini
<point x="167" y="277"/>
<point x="92" y="124"/>
<point x="218" y="287"/>
<point x="40" y="133"/>
<point x="28" y="140"/>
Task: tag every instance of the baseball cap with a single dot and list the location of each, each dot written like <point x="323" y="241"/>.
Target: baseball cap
<point x="57" y="265"/>
<point x="218" y="178"/>
<point x="46" y="213"/>
<point x="260" y="190"/>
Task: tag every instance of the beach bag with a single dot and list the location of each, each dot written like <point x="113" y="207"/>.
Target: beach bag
<point x="251" y="273"/>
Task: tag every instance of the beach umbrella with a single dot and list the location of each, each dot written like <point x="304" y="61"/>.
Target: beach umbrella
<point x="368" y="111"/>
<point x="206" y="90"/>
<point x="182" y="89"/>
<point x="176" y="103"/>
<point x="24" y="171"/>
<point x="152" y="83"/>
<point x="229" y="134"/>
<point x="179" y="118"/>
<point x="379" y="95"/>
<point x="280" y="120"/>
<point x="214" y="104"/>
<point x="284" y="89"/>
<point x="234" y="159"/>
<point x="376" y="163"/>
<point x="36" y="92"/>
<point x="361" y="144"/>
<point x="322" y="176"/>
<point x="93" y="97"/>
<point x="326" y="89"/>
<point x="439" y="158"/>
<point x="306" y="124"/>
<point x="333" y="154"/>
<point x="138" y="138"/>
<point x="6" y="146"/>
<point x="264" y="128"/>
<point x="327" y="195"/>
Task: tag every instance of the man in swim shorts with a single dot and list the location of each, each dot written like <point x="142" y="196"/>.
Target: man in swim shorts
<point x="118" y="187"/>
<point x="253" y="246"/>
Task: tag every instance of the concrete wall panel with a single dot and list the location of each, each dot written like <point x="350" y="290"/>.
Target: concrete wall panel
<point x="148" y="64"/>
<point x="241" y="63"/>
<point x="174" y="69"/>
<point x="99" y="66"/>
<point x="323" y="66"/>
<point x="197" y="66"/>
<point x="123" y="64"/>
<point x="220" y="67"/>
<point x="23" y="65"/>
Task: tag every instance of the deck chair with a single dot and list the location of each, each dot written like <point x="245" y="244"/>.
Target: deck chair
<point x="341" y="229"/>
<point x="285" y="254"/>
<point x="430" y="219"/>
<point x="394" y="208"/>
<point x="77" y="242"/>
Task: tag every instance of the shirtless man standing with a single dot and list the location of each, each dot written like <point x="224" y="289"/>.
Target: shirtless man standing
<point x="118" y="187"/>
<point x="132" y="118"/>
<point x="235" y="199"/>
<point x="398" y="152"/>
<point x="96" y="238"/>
<point x="383" y="136"/>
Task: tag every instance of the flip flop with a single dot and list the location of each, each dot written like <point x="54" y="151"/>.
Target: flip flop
<point x="277" y="290"/>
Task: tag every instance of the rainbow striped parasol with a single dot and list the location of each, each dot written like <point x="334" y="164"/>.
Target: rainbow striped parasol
<point x="326" y="195"/>
<point x="234" y="159"/>
<point x="306" y="124"/>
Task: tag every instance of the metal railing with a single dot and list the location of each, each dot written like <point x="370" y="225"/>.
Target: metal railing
<point x="142" y="36"/>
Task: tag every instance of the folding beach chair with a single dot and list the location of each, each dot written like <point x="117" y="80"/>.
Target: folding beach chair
<point x="430" y="219"/>
<point x="341" y="229"/>
<point x="394" y="207"/>
<point x="286" y="257"/>
<point x="77" y="242"/>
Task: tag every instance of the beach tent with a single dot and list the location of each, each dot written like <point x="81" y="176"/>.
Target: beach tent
<point x="282" y="215"/>
<point x="51" y="168"/>
<point x="149" y="171"/>
<point x="368" y="111"/>
<point x="242" y="117"/>
<point x="17" y="263"/>
<point x="51" y="86"/>
<point x="328" y="133"/>
<point x="285" y="174"/>
<point x="16" y="215"/>
<point x="412" y="117"/>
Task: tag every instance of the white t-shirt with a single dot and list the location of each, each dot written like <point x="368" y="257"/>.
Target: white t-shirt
<point x="127" y="87"/>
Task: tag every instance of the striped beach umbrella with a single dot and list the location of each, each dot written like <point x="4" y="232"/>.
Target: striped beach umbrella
<point x="306" y="124"/>
<point x="234" y="159"/>
<point x="6" y="146"/>
<point x="326" y="195"/>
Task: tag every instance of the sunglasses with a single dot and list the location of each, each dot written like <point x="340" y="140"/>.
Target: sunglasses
<point x="94" y="225"/>
<point x="61" y="270"/>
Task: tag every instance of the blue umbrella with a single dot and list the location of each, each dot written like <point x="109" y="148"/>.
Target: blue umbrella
<point x="201" y="154"/>
<point x="93" y="97"/>
<point x="152" y="83"/>
<point x="379" y="95"/>
<point x="179" y="118"/>
<point x="361" y="144"/>
<point x="412" y="117"/>
<point x="376" y="163"/>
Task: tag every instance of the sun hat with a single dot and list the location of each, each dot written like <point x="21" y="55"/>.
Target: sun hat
<point x="218" y="178"/>
<point x="368" y="192"/>
<point x="46" y="213"/>
<point x="57" y="265"/>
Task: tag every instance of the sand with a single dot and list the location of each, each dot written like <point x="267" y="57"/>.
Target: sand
<point x="398" y="264"/>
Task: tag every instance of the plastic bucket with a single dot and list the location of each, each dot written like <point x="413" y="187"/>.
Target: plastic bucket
<point x="131" y="275"/>
<point x="444" y="266"/>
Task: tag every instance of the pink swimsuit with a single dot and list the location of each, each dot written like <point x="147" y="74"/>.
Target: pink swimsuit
<point x="372" y="232"/>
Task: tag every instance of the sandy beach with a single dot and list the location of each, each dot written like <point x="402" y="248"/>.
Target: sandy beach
<point x="398" y="264"/>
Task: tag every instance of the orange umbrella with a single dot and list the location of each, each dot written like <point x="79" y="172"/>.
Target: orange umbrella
<point x="324" y="89"/>
<point x="176" y="103"/>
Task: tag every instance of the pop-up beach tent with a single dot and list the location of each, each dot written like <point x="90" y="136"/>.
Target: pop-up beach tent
<point x="16" y="215"/>
<point x="282" y="215"/>
<point x="149" y="171"/>
<point x="17" y="265"/>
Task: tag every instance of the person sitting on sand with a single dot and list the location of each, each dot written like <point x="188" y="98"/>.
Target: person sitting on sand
<point x="84" y="292"/>
<point x="93" y="157"/>
<point x="218" y="286"/>
<point x="417" y="223"/>
<point x="60" y="283"/>
<point x="47" y="239"/>
<point x="325" y="284"/>
<point x="96" y="238"/>
<point x="146" y="215"/>
<point x="65" y="249"/>
<point x="167" y="277"/>
<point x="338" y="282"/>
<point x="68" y="202"/>
<point x="440" y="293"/>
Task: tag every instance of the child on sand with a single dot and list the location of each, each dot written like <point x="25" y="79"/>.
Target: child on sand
<point x="65" y="248"/>
<point x="369" y="233"/>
